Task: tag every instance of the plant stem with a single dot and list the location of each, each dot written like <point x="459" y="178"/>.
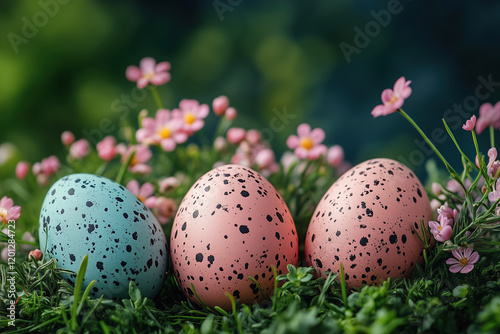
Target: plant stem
<point x="456" y="143"/>
<point x="124" y="167"/>
<point x="492" y="136"/>
<point x="156" y="97"/>
<point x="453" y="173"/>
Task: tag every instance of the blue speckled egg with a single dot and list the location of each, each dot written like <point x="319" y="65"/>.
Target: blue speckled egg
<point x="85" y="214"/>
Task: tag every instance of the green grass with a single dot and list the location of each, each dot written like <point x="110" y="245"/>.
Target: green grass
<point x="432" y="301"/>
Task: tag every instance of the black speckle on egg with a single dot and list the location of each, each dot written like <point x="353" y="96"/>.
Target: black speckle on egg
<point x="393" y="238"/>
<point x="244" y="193"/>
<point x="244" y="229"/>
<point x="363" y="241"/>
<point x="89" y="204"/>
<point x="199" y="257"/>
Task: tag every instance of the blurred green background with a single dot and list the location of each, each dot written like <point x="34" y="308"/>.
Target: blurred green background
<point x="62" y="67"/>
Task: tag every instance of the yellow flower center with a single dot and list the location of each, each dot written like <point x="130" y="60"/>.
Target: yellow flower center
<point x="394" y="99"/>
<point x="439" y="227"/>
<point x="189" y="118"/>
<point x="306" y="143"/>
<point x="164" y="133"/>
<point x="3" y="214"/>
<point x="134" y="161"/>
<point x="149" y="76"/>
<point x="463" y="261"/>
<point x="141" y="198"/>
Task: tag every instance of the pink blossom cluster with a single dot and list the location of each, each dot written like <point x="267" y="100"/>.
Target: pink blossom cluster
<point x="149" y="72"/>
<point x="46" y="168"/>
<point x="77" y="149"/>
<point x="221" y="108"/>
<point x="170" y="128"/>
<point x="443" y="227"/>
<point x="163" y="207"/>
<point x="252" y="151"/>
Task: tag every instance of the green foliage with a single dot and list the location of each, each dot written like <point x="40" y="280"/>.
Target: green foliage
<point x="300" y="304"/>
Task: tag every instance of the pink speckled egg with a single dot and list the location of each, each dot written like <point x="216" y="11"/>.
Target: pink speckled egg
<point x="232" y="224"/>
<point x="367" y="221"/>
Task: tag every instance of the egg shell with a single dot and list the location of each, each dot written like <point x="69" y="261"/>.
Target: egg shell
<point x="85" y="214"/>
<point x="367" y="221"/>
<point x="232" y="224"/>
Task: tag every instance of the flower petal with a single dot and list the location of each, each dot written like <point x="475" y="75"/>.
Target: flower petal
<point x="147" y="65"/>
<point x="133" y="187"/>
<point x="452" y="261"/>
<point x="163" y="66"/>
<point x="303" y="130"/>
<point x="467" y="269"/>
<point x="455" y="268"/>
<point x="147" y="189"/>
<point x="474" y="258"/>
<point x="457" y="254"/>
<point x="133" y="73"/>
<point x="387" y="95"/>
<point x="293" y="142"/>
<point x="317" y="135"/>
<point x="160" y="78"/>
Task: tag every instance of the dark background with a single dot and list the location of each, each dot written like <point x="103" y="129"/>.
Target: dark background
<point x="264" y="55"/>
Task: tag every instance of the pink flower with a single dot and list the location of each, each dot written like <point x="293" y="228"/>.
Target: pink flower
<point x="264" y="158"/>
<point x="143" y="192"/>
<point x="37" y="254"/>
<point x="437" y="189"/>
<point x="493" y="164"/>
<point x="335" y="156"/>
<point x="393" y="99"/>
<point x="470" y="124"/>
<point x="253" y="136"/>
<point x="464" y="260"/>
<point x="22" y="170"/>
<point x="164" y="209"/>
<point x="192" y="114"/>
<point x="235" y="135"/>
<point x="106" y="148"/>
<point x="220" y="144"/>
<point x="79" y="149"/>
<point x="169" y="183"/>
<point x="455" y="187"/>
<point x="141" y="157"/>
<point x="231" y="113"/>
<point x="447" y="215"/>
<point x="149" y="72"/>
<point x="67" y="138"/>
<point x="27" y="237"/>
<point x="488" y="116"/>
<point x="43" y="170"/>
<point x="162" y="130"/>
<point x="8" y="211"/>
<point x="308" y="144"/>
<point x="495" y="194"/>
<point x="220" y="104"/>
<point x="441" y="231"/>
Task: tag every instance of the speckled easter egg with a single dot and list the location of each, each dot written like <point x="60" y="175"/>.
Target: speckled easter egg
<point x="368" y="220"/>
<point x="232" y="224"/>
<point x="85" y="214"/>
